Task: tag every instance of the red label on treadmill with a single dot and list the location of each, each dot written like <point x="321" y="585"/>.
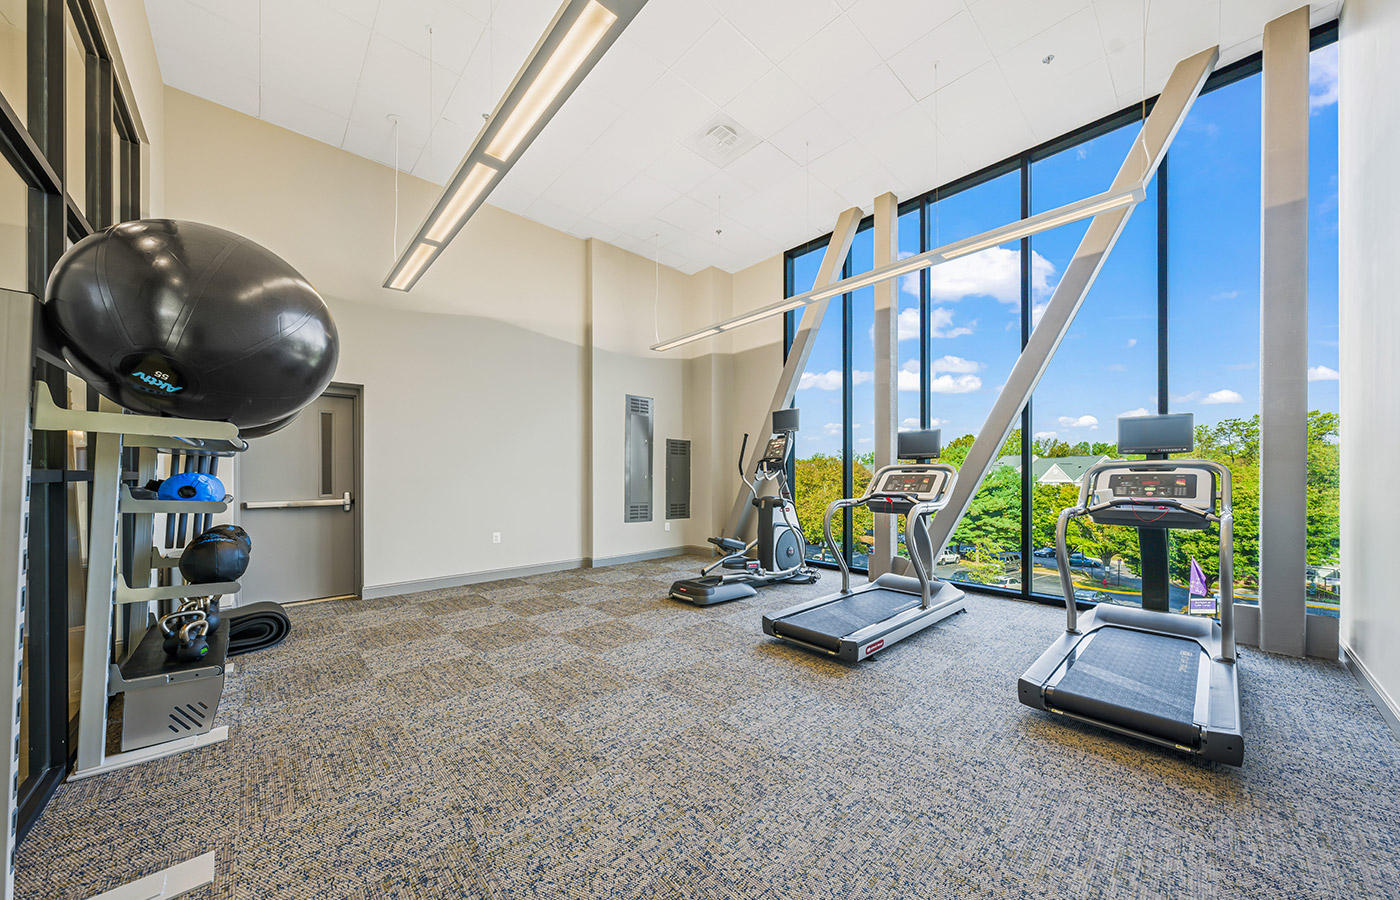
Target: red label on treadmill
<point x="873" y="646"/>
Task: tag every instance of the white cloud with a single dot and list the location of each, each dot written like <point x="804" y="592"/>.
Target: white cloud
<point x="830" y="380"/>
<point x="1224" y="395"/>
<point x="960" y="381"/>
<point x="1082" y="422"/>
<point x="994" y="272"/>
<point x="1046" y="435"/>
<point x="955" y="364"/>
<point x="1134" y="413"/>
<point x="1322" y="373"/>
<point x="831" y="429"/>
<point x="1322" y="80"/>
<point x="1224" y="295"/>
<point x="940" y="320"/>
<point x="1132" y="342"/>
<point x="1037" y="312"/>
<point x="1116" y="367"/>
<point x="955" y="384"/>
<point x="910" y="424"/>
<point x="909" y="376"/>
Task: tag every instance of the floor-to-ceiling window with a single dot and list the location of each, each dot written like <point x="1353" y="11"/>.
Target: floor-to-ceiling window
<point x="1171" y="325"/>
<point x="71" y="158"/>
<point x="1324" y="571"/>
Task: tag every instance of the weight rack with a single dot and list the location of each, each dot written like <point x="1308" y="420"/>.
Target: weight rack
<point x="156" y="688"/>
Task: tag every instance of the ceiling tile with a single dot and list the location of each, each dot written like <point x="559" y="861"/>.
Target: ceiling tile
<point x="243" y="13"/>
<point x="328" y="84"/>
<point x="954" y="105"/>
<point x="553" y="215"/>
<point x="635" y="205"/>
<point x="941" y="57"/>
<point x="861" y="190"/>
<point x="721" y="191"/>
<point x="675" y="108"/>
<point x="831" y="60"/>
<point x="843" y="163"/>
<point x="772" y="103"/>
<point x="189" y="72"/>
<point x="689" y="214"/>
<point x="454" y="33"/>
<point x="912" y="149"/>
<point x="1006" y="23"/>
<point x="318" y="32"/>
<point x="681" y="168"/>
<point x="362" y="11"/>
<point x="522" y="21"/>
<point x="487" y="75"/>
<point x="721" y="64"/>
<point x="997" y="134"/>
<point x="892" y="25"/>
<point x="1055" y="107"/>
<point x="625" y="72"/>
<point x="295" y="114"/>
<point x="811" y="136"/>
<point x="761" y="166"/>
<point x="667" y="28"/>
<point x="394" y="81"/>
<point x="447" y="145"/>
<point x="632" y="141"/>
<point x="778" y="27"/>
<point x="184" y="28"/>
<point x="1073" y="42"/>
<point x="870" y="99"/>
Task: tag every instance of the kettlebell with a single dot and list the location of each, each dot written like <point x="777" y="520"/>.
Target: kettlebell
<point x="193" y="644"/>
<point x="172" y="631"/>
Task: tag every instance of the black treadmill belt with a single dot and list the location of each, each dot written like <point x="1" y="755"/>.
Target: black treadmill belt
<point x="1139" y="680"/>
<point x="827" y="624"/>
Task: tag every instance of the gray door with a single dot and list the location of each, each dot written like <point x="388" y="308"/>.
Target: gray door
<point x="296" y="492"/>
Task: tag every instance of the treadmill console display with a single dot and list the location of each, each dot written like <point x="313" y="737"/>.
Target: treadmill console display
<point x="927" y="484"/>
<point x="1180" y="486"/>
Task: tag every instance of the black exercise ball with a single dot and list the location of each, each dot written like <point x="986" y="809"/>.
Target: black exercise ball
<point x="234" y="531"/>
<point x="182" y="319"/>
<point x="214" y="556"/>
<point x="257" y="431"/>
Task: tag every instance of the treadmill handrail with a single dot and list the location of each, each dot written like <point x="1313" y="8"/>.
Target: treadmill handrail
<point x="1225" y="516"/>
<point x="831" y="543"/>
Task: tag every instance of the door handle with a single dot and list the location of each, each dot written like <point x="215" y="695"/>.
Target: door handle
<point x="344" y="502"/>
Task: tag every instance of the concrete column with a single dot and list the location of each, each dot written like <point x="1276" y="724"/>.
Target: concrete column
<point x="886" y="370"/>
<point x="1283" y="337"/>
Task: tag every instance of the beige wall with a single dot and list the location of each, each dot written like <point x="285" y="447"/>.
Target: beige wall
<point x="513" y="353"/>
<point x="1369" y="134"/>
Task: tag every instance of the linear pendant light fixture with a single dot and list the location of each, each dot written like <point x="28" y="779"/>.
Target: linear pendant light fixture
<point x="581" y="32"/>
<point x="1012" y="231"/>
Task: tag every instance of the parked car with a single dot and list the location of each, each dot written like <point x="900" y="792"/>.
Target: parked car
<point x="1045" y="553"/>
<point x="947" y="558"/>
<point x="1087" y="596"/>
<point x="964" y="550"/>
<point x="1077" y="559"/>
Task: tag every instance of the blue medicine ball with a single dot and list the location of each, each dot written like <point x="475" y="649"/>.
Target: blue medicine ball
<point x="191" y="486"/>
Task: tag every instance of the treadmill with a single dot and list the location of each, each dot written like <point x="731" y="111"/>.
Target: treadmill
<point x="858" y="622"/>
<point x="1164" y="677"/>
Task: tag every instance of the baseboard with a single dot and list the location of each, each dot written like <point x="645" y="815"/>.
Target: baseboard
<point x="374" y="592"/>
<point x="1390" y="710"/>
<point x="600" y="561"/>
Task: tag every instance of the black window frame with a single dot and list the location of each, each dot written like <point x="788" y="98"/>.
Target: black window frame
<point x="35" y="147"/>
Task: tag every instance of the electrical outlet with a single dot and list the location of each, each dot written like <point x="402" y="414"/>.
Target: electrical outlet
<point x="668" y="526"/>
<point x="495" y="537"/>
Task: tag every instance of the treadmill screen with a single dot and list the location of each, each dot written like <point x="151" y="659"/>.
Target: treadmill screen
<point x="1154" y="484"/>
<point x="777" y="449"/>
<point x="909" y="483"/>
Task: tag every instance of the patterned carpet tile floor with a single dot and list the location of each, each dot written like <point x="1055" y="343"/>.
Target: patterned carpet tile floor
<point x="578" y="735"/>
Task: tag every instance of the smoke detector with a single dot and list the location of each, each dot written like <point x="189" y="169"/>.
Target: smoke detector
<point x="722" y="140"/>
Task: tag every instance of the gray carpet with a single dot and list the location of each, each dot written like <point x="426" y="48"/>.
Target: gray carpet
<point x="577" y="735"/>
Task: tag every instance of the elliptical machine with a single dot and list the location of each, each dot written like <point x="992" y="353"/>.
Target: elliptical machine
<point x="779" y="543"/>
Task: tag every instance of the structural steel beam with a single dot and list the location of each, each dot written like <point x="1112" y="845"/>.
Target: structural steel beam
<point x="1283" y="338"/>
<point x="1146" y="153"/>
<point x="886" y="371"/>
<point x="798" y="354"/>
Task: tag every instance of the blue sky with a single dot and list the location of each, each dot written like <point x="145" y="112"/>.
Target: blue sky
<point x="1107" y="364"/>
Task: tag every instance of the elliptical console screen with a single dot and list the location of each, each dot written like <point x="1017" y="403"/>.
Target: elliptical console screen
<point x="777" y="449"/>
<point x="1154" y="484"/>
<point x="909" y="483"/>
